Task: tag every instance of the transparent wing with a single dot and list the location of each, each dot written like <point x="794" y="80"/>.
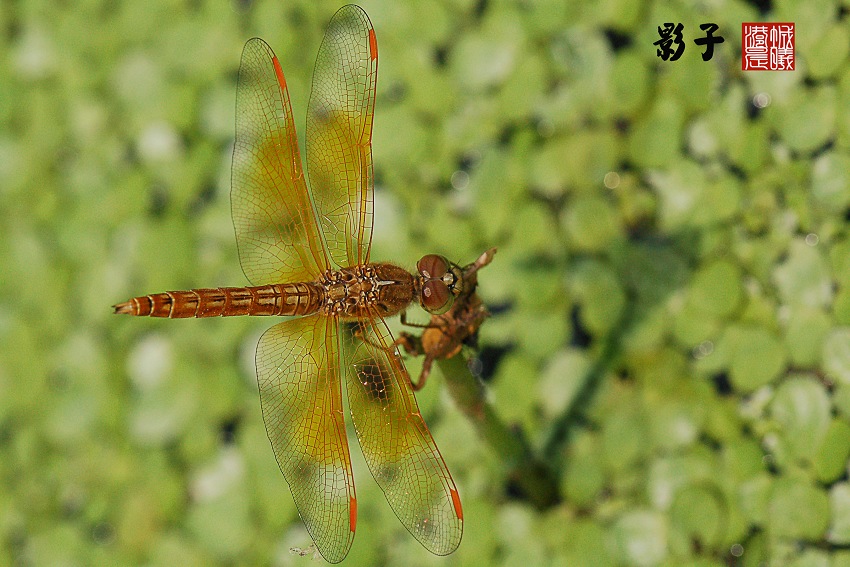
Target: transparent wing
<point x="339" y="135"/>
<point x="396" y="443"/>
<point x="276" y="230"/>
<point x="298" y="375"/>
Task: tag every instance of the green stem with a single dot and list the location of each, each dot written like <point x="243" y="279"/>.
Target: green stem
<point x="559" y="434"/>
<point x="529" y="475"/>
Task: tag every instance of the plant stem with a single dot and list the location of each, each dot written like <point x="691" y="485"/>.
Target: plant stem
<point x="532" y="478"/>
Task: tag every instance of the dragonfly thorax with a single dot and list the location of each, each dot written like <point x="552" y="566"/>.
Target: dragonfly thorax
<point x="363" y="291"/>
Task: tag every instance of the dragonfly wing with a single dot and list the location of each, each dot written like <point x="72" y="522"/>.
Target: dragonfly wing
<point x="396" y="443"/>
<point x="276" y="229"/>
<point x="339" y="135"/>
<point x="300" y="392"/>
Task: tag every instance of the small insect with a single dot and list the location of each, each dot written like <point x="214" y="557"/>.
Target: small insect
<point x="446" y="333"/>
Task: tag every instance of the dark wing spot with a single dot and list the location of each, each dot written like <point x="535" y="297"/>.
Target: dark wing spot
<point x="375" y="381"/>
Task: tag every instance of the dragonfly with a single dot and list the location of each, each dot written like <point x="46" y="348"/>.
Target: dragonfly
<point x="447" y="332"/>
<point x="306" y="253"/>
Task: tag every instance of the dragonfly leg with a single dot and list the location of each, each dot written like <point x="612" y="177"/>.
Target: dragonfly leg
<point x="411" y="344"/>
<point x="423" y="376"/>
<point x="404" y="321"/>
<point x="362" y="336"/>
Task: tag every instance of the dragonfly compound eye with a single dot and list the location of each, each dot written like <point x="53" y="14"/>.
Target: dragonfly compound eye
<point x="432" y="266"/>
<point x="436" y="297"/>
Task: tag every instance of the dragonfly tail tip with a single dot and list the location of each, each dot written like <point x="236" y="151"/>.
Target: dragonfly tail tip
<point x="125" y="308"/>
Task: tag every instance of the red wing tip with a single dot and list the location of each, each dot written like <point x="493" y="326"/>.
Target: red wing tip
<point x="456" y="503"/>
<point x="125" y="308"/>
<point x="279" y="72"/>
<point x="353" y="514"/>
<point x="373" y="45"/>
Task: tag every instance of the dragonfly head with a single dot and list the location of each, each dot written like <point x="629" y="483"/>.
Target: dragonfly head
<point x="440" y="282"/>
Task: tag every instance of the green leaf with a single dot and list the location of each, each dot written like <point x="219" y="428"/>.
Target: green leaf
<point x="656" y="137"/>
<point x="723" y="419"/>
<point x="839" y="251"/>
<point x="804" y="278"/>
<point x="641" y="536"/>
<point x="805" y="335"/>
<point x="220" y="520"/>
<point x="841" y="558"/>
<point x="669" y="474"/>
<point x="839" y="502"/>
<point x="808" y="120"/>
<point x="755" y="356"/>
<point x="629" y="82"/>
<point x="654" y="270"/>
<point x="802" y="410"/>
<point x="681" y="189"/>
<point x="585" y="543"/>
<point x="716" y="289"/>
<point x="497" y="187"/>
<point x="720" y="202"/>
<point x="674" y="424"/>
<point x="841" y="307"/>
<point x="798" y="510"/>
<point x="600" y="293"/>
<point x="591" y="223"/>
<point x="534" y="227"/>
<point x="832" y="454"/>
<point x="548" y="169"/>
<point x="743" y="458"/>
<point x="830" y="179"/>
<point x="584" y="477"/>
<point x="590" y="155"/>
<point x="481" y="60"/>
<point x="624" y="438"/>
<point x="811" y="558"/>
<point x="829" y="51"/>
<point x="543" y="334"/>
<point x="561" y="380"/>
<point x="698" y="515"/>
<point x="836" y="355"/>
<point x="755" y="498"/>
<point x="512" y="396"/>
<point x="693" y="327"/>
<point x="841" y="399"/>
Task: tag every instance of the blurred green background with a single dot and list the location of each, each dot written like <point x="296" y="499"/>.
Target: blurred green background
<point x="671" y="332"/>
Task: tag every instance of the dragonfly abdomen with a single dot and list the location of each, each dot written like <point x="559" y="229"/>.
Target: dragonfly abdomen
<point x="277" y="299"/>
